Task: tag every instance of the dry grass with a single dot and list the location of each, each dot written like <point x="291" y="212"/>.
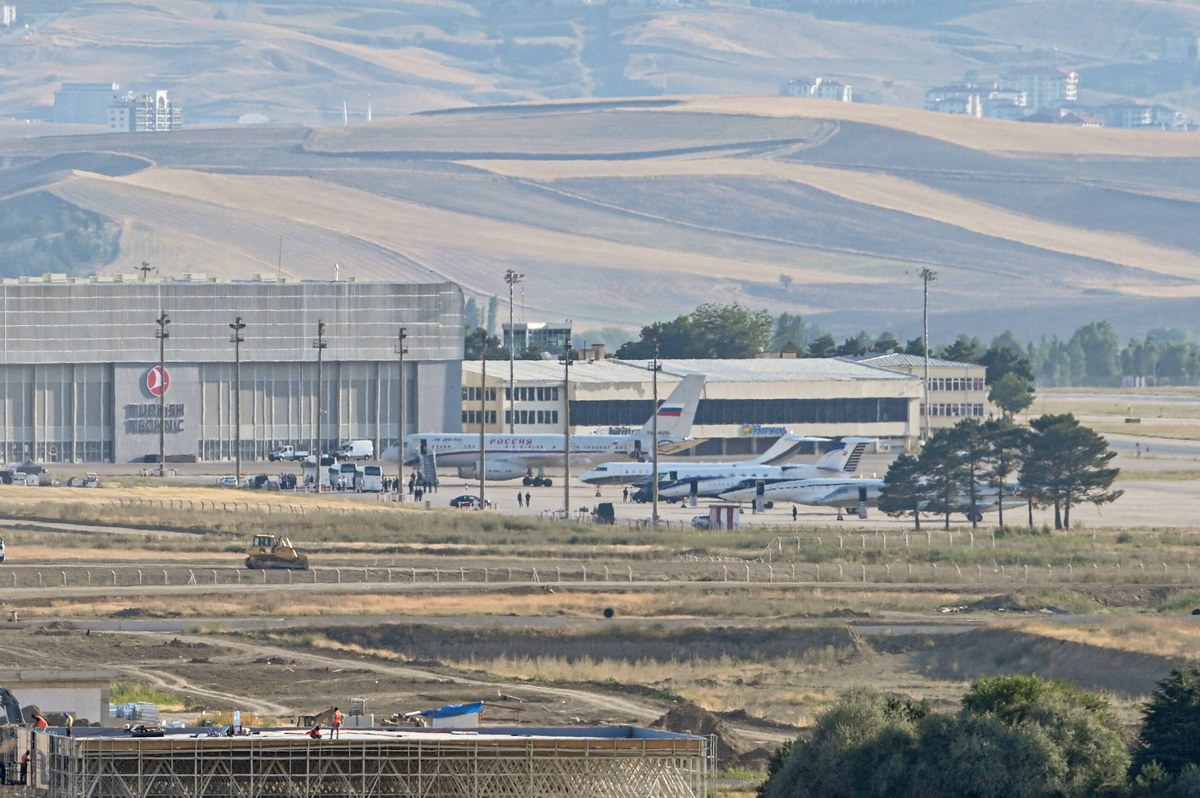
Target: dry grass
<point x="1168" y="637"/>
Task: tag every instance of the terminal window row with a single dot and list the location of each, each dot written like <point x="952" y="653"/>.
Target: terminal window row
<point x="471" y="417"/>
<point x="957" y="384"/>
<point x="532" y="394"/>
<point x="962" y="409"/>
<point x="532" y="417"/>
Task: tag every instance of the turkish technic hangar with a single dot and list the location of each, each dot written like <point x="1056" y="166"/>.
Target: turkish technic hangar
<point x="80" y="382"/>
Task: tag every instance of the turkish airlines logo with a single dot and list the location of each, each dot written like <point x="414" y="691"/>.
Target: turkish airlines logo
<point x="157" y="381"/>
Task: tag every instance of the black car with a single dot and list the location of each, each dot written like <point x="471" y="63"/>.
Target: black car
<point x="465" y="500"/>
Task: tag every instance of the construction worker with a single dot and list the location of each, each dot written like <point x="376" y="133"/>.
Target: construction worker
<point x="315" y="731"/>
<point x="69" y="722"/>
<point x="25" y="767"/>
<point x="39" y="722"/>
<point x="338" y="717"/>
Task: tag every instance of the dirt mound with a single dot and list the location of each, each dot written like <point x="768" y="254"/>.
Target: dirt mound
<point x="687" y="718"/>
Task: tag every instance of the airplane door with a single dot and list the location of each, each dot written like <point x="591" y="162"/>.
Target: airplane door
<point x="862" y="502"/>
<point x="424" y="445"/>
<point x="693" y="492"/>
<point x="760" y="489"/>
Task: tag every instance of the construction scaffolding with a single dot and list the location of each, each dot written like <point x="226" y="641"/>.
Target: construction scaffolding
<point x="593" y="762"/>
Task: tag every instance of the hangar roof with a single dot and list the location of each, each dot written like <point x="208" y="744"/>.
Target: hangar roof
<point x="743" y="370"/>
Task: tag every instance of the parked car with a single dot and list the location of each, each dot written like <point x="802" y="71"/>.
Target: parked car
<point x="466" y="500"/>
<point x="701" y="522"/>
<point x="227" y="481"/>
<point x="21" y="478"/>
<point x="355" y="450"/>
<point x="88" y="480"/>
<point x="604" y="513"/>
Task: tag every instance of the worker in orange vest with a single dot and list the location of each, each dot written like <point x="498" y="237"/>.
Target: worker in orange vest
<point x="337" y="722"/>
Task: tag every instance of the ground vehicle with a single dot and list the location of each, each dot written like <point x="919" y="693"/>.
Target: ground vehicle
<point x="3" y="552"/>
<point x="21" y="478"/>
<point x="369" y="479"/>
<point x="701" y="522"/>
<point x="227" y="481"/>
<point x="604" y="513"/>
<point x="268" y="551"/>
<point x="288" y="453"/>
<point x="316" y="472"/>
<point x="88" y="480"/>
<point x="355" y="450"/>
<point x="466" y="500"/>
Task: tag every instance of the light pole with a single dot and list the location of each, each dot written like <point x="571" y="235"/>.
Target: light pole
<point x="401" y="349"/>
<point x="162" y="335"/>
<point x="237" y="326"/>
<point x="927" y="276"/>
<point x="482" y="427"/>
<point x="319" y="344"/>
<point x="655" y="367"/>
<point x="512" y="277"/>
<point x="566" y="361"/>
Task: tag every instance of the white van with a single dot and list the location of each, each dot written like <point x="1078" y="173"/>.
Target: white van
<point x="369" y="479"/>
<point x="3" y="551"/>
<point x="356" y="450"/>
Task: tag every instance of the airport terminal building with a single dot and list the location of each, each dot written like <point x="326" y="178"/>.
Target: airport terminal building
<point x="79" y="376"/>
<point x="746" y="404"/>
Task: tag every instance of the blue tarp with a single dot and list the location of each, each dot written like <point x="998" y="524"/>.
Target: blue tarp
<point x="452" y="710"/>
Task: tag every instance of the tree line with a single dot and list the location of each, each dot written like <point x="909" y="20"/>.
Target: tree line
<point x="970" y="467"/>
<point x="1012" y="737"/>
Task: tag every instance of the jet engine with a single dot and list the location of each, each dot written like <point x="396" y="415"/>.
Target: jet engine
<point x="494" y="471"/>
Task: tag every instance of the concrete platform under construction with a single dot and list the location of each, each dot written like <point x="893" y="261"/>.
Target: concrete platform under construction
<point x="496" y="762"/>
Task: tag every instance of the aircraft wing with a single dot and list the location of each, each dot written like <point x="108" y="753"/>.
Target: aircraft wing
<point x="674" y="447"/>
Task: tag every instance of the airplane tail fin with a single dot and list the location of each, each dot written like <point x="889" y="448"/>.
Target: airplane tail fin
<point x="784" y="449"/>
<point x="676" y="414"/>
<point x="845" y="455"/>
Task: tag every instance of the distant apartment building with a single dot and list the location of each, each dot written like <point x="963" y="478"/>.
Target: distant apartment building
<point x="84" y="103"/>
<point x="1018" y="95"/>
<point x="1044" y="88"/>
<point x="144" y="114"/>
<point x="819" y="88"/>
<point x="8" y="16"/>
<point x="1135" y="115"/>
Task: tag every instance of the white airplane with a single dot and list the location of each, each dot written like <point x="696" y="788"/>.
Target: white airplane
<point x="855" y="495"/>
<point x="616" y="473"/>
<point x="512" y="456"/>
<point x="683" y="480"/>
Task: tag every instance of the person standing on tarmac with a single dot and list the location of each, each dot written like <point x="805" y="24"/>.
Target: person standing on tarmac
<point x="68" y="723"/>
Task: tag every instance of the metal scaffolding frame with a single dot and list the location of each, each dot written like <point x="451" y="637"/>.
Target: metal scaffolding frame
<point x="603" y="762"/>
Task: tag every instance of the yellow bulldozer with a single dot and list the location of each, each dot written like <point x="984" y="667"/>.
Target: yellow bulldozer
<point x="268" y="551"/>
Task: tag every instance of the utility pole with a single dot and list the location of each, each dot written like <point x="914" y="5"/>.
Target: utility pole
<point x="566" y="361"/>
<point x="655" y="367"/>
<point x="319" y="344"/>
<point x="927" y="276"/>
<point x="512" y="277"/>
<point x="237" y="339"/>
<point x="162" y="335"/>
<point x="482" y="429"/>
<point x="401" y="350"/>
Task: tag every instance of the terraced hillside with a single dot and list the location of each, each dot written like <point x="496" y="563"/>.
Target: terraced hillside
<point x="620" y="212"/>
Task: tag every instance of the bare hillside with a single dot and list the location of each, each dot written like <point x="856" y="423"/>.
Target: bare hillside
<point x="624" y="212"/>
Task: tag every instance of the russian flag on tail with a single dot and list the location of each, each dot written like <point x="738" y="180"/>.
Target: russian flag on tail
<point x="673" y="411"/>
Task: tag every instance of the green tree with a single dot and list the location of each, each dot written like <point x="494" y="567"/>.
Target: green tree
<point x="1008" y="443"/>
<point x="791" y="328"/>
<point x="1100" y="349"/>
<point x="915" y="346"/>
<point x="999" y="362"/>
<point x="471" y="314"/>
<point x="1012" y="394"/>
<point x="970" y="452"/>
<point x="493" y="310"/>
<point x="477" y="341"/>
<point x="944" y="468"/>
<point x="1067" y="464"/>
<point x="730" y="331"/>
<point x="885" y="344"/>
<point x="824" y="346"/>
<point x="674" y="339"/>
<point x="1170" y="731"/>
<point x="855" y="346"/>
<point x="965" y="349"/>
<point x="1080" y="725"/>
<point x="904" y="491"/>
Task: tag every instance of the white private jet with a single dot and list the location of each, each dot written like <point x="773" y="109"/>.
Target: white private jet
<point x="855" y="495"/>
<point x="513" y="456"/>
<point x="680" y="480"/>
